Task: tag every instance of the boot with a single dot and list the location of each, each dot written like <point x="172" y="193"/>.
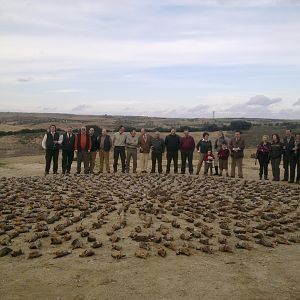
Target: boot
<point x="216" y="171"/>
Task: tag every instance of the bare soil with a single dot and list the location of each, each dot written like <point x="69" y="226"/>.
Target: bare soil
<point x="262" y="273"/>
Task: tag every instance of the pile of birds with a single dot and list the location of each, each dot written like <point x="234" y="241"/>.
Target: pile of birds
<point x="143" y="216"/>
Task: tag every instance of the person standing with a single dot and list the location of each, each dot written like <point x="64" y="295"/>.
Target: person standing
<point x="237" y="146"/>
<point x="202" y="147"/>
<point x="223" y="155"/>
<point x="218" y="146"/>
<point x="50" y="143"/>
<point x="289" y="157"/>
<point x="263" y="155"/>
<point x="104" y="146"/>
<point x="187" y="147"/>
<point x="131" y="147"/>
<point x="119" y="142"/>
<point x="82" y="149"/>
<point x="68" y="147"/>
<point x="208" y="162"/>
<point x="144" y="147"/>
<point x="157" y="151"/>
<point x="172" y="143"/>
<point x="298" y="157"/>
<point x="275" y="156"/>
<point x="94" y="149"/>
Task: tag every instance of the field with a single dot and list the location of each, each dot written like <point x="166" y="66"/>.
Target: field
<point x="157" y="237"/>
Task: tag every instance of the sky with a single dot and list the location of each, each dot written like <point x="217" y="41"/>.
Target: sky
<point x="164" y="58"/>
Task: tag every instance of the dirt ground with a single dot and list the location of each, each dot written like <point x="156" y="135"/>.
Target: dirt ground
<point x="263" y="273"/>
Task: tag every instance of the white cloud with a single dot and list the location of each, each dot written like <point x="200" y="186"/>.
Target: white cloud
<point x="261" y="100"/>
<point x="297" y="103"/>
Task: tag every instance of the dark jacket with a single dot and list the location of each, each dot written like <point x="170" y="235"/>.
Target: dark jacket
<point x="157" y="145"/>
<point x="204" y="146"/>
<point x="187" y="143"/>
<point x="276" y="150"/>
<point x="172" y="142"/>
<point x="94" y="143"/>
<point x="50" y="141"/>
<point x="223" y="154"/>
<point x="288" y="146"/>
<point x="263" y="151"/>
<point x="234" y="143"/>
<point x="68" y="144"/>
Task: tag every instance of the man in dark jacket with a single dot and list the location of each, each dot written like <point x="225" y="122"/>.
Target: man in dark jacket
<point x="187" y="147"/>
<point x="275" y="156"/>
<point x="158" y="148"/>
<point x="82" y="149"/>
<point x="172" y="143"/>
<point x="289" y="157"/>
<point x="94" y="149"/>
<point x="202" y="147"/>
<point x="67" y="145"/>
<point x="50" y="143"/>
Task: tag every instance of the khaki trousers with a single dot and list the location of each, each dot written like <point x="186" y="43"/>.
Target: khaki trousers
<point x="237" y="162"/>
<point x="131" y="153"/>
<point x="200" y="162"/>
<point x="92" y="160"/>
<point x="104" y="157"/>
<point x="144" y="157"/>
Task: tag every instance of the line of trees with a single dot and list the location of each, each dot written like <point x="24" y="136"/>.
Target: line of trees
<point x="234" y="125"/>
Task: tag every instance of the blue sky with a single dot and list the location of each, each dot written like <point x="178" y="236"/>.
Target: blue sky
<point x="174" y="58"/>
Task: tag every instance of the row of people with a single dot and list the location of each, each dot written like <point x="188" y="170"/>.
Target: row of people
<point x="287" y="150"/>
<point x="127" y="146"/>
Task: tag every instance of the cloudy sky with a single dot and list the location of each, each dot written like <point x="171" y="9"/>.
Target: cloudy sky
<point x="175" y="58"/>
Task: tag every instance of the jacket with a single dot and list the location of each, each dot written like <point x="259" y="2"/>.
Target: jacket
<point x="78" y="138"/>
<point x="68" y="144"/>
<point x="107" y="143"/>
<point x="145" y="145"/>
<point x="263" y="151"/>
<point x="172" y="142"/>
<point x="276" y="150"/>
<point x="50" y="141"/>
<point x="288" y="146"/>
<point x="187" y="143"/>
<point x="209" y="158"/>
<point x="204" y="145"/>
<point x="234" y="143"/>
<point x="157" y="145"/>
<point x="219" y="141"/>
<point x="94" y="143"/>
<point x="223" y="154"/>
